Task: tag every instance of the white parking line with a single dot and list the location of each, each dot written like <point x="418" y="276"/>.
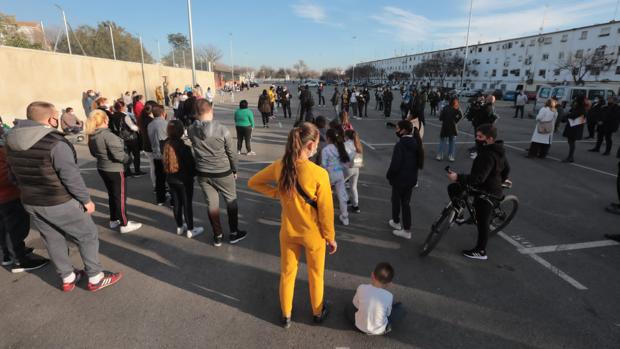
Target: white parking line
<point x="568" y="247"/>
<point x="544" y="263"/>
<point x="369" y="145"/>
<point x="549" y="157"/>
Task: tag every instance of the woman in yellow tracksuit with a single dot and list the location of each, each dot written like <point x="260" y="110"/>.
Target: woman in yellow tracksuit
<point x="272" y="99"/>
<point x="304" y="226"/>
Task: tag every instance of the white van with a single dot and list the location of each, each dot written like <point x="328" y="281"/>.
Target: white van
<point x="565" y="94"/>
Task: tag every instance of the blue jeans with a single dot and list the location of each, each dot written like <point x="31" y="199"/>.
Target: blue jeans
<point x="446" y="142"/>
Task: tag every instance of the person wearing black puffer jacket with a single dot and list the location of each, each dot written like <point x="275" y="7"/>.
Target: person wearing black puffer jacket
<point x="407" y="159"/>
<point x="607" y="125"/>
<point x="489" y="171"/>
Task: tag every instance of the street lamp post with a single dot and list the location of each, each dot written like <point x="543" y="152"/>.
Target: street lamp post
<point x="471" y="4"/>
<point x="64" y="18"/>
<point x="232" y="67"/>
<point x="191" y="40"/>
<point x="109" y="25"/>
<point x="174" y="63"/>
<point x="353" y="72"/>
<point x="158" y="52"/>
<point x="146" y="94"/>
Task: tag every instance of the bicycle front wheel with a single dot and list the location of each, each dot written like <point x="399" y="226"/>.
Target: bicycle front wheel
<point x="503" y="214"/>
<point x="438" y="229"/>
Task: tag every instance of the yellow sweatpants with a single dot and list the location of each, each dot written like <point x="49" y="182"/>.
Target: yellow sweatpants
<point x="290" y="252"/>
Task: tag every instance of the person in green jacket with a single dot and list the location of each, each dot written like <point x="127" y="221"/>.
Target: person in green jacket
<point x="244" y="123"/>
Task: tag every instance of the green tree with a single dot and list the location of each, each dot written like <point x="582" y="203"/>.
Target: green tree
<point x="9" y="35"/>
<point x="96" y="42"/>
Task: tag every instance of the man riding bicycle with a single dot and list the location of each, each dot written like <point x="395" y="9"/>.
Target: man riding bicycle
<point x="489" y="171"/>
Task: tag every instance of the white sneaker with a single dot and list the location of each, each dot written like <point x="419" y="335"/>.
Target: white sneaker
<point x="439" y="158"/>
<point x="451" y="158"/>
<point x="402" y="233"/>
<point x="344" y="220"/>
<point x="115" y="224"/>
<point x="395" y="225"/>
<point x="131" y="226"/>
<point x="251" y="153"/>
<point x="181" y="230"/>
<point x="195" y="232"/>
<point x="238" y="152"/>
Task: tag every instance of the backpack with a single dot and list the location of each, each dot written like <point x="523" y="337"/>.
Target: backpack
<point x="127" y="134"/>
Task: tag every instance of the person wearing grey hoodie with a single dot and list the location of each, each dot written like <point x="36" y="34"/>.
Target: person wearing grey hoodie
<point x="109" y="150"/>
<point x="214" y="153"/>
<point x="53" y="192"/>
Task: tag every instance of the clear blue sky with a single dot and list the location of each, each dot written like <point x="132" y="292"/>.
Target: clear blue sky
<point x="278" y="33"/>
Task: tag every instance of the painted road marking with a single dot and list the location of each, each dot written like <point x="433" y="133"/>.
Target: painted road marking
<point x="370" y="145"/>
<point x="549" y="157"/>
<point x="544" y="263"/>
<point x="568" y="247"/>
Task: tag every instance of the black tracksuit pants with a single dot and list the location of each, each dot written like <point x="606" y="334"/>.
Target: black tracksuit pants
<point x="14" y="228"/>
<point x="132" y="148"/>
<point x="484" y="213"/>
<point x="244" y="133"/>
<point x="117" y="195"/>
<point x="401" y="198"/>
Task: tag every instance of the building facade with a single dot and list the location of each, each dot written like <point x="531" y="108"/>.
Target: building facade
<point x="586" y="55"/>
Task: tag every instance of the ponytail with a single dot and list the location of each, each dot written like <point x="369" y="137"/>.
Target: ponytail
<point x="297" y="139"/>
<point x="171" y="162"/>
<point x="354" y="136"/>
<point x="336" y="138"/>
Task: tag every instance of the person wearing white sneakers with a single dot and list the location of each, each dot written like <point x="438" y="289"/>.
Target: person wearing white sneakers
<point x="180" y="170"/>
<point x="109" y="150"/>
<point x="334" y="158"/>
<point x="407" y="159"/>
<point x="450" y="115"/>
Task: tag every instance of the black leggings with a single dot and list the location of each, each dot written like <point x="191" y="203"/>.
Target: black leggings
<point x="244" y="133"/>
<point x="117" y="195"/>
<point x="182" y="196"/>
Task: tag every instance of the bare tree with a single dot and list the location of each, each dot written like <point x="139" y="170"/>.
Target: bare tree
<point x="581" y="64"/>
<point x="301" y="69"/>
<point x="438" y="68"/>
<point x="212" y="54"/>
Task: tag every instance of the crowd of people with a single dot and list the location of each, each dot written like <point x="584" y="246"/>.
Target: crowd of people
<point x="190" y="147"/>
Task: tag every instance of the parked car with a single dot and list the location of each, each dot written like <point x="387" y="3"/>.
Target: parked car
<point x="468" y="92"/>
<point x="253" y="84"/>
<point x="499" y="94"/>
<point x="510" y="96"/>
<point x="565" y="94"/>
<point x="531" y="95"/>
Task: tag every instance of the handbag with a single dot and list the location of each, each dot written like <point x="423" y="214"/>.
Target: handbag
<point x="545" y="127"/>
<point x="358" y="161"/>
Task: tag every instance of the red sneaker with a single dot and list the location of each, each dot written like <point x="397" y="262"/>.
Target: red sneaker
<point x="68" y="287"/>
<point x="108" y="279"/>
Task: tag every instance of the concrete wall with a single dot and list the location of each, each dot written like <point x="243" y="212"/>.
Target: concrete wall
<point x="30" y="75"/>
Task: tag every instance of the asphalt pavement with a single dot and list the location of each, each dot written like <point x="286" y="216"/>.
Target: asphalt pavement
<point x="551" y="281"/>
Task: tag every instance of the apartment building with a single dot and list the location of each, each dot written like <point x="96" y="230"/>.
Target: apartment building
<point x="589" y="54"/>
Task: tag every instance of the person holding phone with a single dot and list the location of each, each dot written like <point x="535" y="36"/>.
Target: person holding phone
<point x="305" y="195"/>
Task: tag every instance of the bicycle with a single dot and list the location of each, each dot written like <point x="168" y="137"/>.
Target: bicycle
<point x="504" y="210"/>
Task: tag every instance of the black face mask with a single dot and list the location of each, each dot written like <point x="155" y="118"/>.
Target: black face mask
<point x="398" y="134"/>
<point x="480" y="144"/>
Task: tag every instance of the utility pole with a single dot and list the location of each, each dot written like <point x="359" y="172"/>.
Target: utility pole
<point x="471" y="5"/>
<point x="191" y="40"/>
<point x="158" y="51"/>
<point x="146" y="94"/>
<point x="232" y="67"/>
<point x="109" y="25"/>
<point x="44" y="37"/>
<point x="353" y="72"/>
<point x="174" y="63"/>
<point x="64" y="18"/>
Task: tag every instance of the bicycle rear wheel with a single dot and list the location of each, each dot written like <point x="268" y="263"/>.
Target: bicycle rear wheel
<point x="438" y="230"/>
<point x="504" y="213"/>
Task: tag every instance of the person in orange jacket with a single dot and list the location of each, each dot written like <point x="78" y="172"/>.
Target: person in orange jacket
<point x="305" y="195"/>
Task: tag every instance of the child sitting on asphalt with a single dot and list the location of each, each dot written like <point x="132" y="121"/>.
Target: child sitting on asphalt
<point x="372" y="310"/>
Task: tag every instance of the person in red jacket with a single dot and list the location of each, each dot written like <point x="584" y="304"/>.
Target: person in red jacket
<point x="14" y="223"/>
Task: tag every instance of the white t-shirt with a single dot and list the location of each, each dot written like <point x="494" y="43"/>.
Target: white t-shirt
<point x="374" y="305"/>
